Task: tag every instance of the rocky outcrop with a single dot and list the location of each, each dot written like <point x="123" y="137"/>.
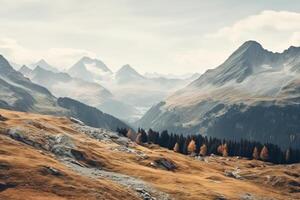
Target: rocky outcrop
<point x="163" y="163"/>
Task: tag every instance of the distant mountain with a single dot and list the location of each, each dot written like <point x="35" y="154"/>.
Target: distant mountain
<point x="93" y="94"/>
<point x="19" y="93"/>
<point x="127" y="74"/>
<point x="26" y="71"/>
<point x="142" y="92"/>
<point x="43" y="64"/>
<point x="92" y="70"/>
<point x="15" y="65"/>
<point x="253" y="95"/>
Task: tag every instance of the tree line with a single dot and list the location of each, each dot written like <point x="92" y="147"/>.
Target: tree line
<point x="203" y="146"/>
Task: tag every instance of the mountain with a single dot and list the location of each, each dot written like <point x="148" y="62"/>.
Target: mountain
<point x="127" y="74"/>
<point x="253" y="95"/>
<point x="43" y="64"/>
<point x="19" y="93"/>
<point x="63" y="85"/>
<point x="26" y="71"/>
<point x="142" y="92"/>
<point x="89" y="69"/>
<point x="91" y="93"/>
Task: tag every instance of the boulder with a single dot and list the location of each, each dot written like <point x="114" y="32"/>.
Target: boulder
<point x="50" y="170"/>
<point x="164" y="164"/>
<point x="2" y="118"/>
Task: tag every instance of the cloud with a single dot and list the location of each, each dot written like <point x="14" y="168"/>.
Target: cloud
<point x="58" y="57"/>
<point x="274" y="29"/>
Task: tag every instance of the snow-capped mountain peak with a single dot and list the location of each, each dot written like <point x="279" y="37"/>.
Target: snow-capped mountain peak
<point x="90" y="69"/>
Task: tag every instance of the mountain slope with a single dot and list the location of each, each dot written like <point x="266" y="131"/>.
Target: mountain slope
<point x="90" y="115"/>
<point x="19" y="93"/>
<point x="254" y="94"/>
<point x="46" y="157"/>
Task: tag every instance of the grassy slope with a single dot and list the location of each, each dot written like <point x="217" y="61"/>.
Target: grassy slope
<point x="192" y="180"/>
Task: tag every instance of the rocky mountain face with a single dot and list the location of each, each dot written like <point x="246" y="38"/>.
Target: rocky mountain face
<point x="19" y="93"/>
<point x="253" y="95"/>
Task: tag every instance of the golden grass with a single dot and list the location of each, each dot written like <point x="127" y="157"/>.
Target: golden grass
<point x="192" y="179"/>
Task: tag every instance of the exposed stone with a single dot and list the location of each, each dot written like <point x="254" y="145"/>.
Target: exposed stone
<point x="2" y="118"/>
<point x="77" y="121"/>
<point x="50" y="170"/>
<point x="233" y="174"/>
<point x="19" y="136"/>
<point x="164" y="163"/>
<point x="248" y="196"/>
<point x="5" y="186"/>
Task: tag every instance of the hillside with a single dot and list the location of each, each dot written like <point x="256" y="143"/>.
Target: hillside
<point x="46" y="157"/>
<point x="253" y="95"/>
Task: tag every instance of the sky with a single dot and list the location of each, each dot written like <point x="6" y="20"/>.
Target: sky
<point x="164" y="36"/>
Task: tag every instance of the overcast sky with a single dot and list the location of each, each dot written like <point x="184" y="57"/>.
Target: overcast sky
<point x="165" y="36"/>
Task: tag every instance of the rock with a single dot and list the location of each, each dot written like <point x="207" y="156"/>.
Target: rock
<point x="294" y="183"/>
<point x="2" y="118"/>
<point x="60" y="145"/>
<point x="201" y="158"/>
<point x="164" y="163"/>
<point x="76" y="121"/>
<point x="5" y="186"/>
<point x="19" y="136"/>
<point x="276" y="181"/>
<point x="145" y="195"/>
<point x="233" y="174"/>
<point x="52" y="171"/>
<point x="248" y="196"/>
<point x="4" y="166"/>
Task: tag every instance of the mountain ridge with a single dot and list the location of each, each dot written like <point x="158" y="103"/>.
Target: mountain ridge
<point x="251" y="82"/>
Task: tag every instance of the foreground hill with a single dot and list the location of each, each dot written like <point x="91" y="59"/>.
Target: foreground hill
<point x="254" y="95"/>
<point x="19" y="93"/>
<point x="45" y="157"/>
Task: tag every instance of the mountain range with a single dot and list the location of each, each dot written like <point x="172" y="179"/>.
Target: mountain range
<point x="253" y="95"/>
<point x="125" y="94"/>
<point x="19" y="93"/>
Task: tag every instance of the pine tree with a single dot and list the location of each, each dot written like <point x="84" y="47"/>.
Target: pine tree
<point x="264" y="154"/>
<point x="255" y="154"/>
<point x="176" y="148"/>
<point x="203" y="150"/>
<point x="288" y="155"/>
